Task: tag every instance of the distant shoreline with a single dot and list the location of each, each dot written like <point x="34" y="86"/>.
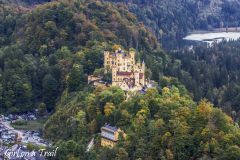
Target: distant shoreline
<point x="216" y="30"/>
<point x="212" y="36"/>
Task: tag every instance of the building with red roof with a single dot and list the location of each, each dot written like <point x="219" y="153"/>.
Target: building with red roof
<point x="126" y="73"/>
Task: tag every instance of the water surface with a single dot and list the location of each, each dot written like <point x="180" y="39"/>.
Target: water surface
<point x="213" y="36"/>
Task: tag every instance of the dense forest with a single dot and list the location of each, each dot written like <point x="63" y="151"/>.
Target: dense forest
<point x="206" y="72"/>
<point x="164" y="124"/>
<point x="41" y="48"/>
<point x="212" y="73"/>
<point x="48" y="50"/>
<point x="171" y="20"/>
<point x="25" y="3"/>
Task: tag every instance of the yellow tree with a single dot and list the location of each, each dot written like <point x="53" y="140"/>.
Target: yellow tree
<point x="108" y="109"/>
<point x="116" y="47"/>
<point x="205" y="108"/>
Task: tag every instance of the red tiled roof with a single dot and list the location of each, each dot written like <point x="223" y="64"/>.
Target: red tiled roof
<point x="124" y="73"/>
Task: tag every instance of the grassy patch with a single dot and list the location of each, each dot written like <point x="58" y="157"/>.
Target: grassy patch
<point x="29" y="125"/>
<point x="20" y="123"/>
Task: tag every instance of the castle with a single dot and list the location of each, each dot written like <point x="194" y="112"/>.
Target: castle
<point x="126" y="73"/>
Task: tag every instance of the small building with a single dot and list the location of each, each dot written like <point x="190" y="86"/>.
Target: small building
<point x="97" y="81"/>
<point x="109" y="135"/>
<point x="93" y="78"/>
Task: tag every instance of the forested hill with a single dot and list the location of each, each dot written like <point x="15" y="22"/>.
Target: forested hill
<point x="171" y="20"/>
<point x="46" y="53"/>
<point x="41" y="46"/>
<point x="206" y="72"/>
<point x="23" y="2"/>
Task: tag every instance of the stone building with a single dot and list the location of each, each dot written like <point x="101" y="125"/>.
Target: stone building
<point x="126" y="73"/>
<point x="109" y="135"/>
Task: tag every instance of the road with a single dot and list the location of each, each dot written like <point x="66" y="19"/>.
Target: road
<point x="90" y="145"/>
<point x="8" y="126"/>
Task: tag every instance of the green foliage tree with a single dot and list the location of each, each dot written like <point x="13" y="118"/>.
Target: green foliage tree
<point x="41" y="48"/>
<point x="50" y="90"/>
<point x="42" y="109"/>
<point x="76" y="79"/>
<point x="122" y="154"/>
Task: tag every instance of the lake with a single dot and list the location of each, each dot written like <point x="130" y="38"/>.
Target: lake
<point x="211" y="37"/>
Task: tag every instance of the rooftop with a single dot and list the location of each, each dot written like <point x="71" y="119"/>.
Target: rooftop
<point x="113" y="128"/>
<point x="120" y="51"/>
<point x="124" y="73"/>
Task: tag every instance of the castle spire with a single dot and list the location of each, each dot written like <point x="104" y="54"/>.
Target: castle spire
<point x="143" y="64"/>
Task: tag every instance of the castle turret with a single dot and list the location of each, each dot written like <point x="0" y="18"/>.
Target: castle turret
<point x="114" y="76"/>
<point x="136" y="77"/>
<point x="142" y="77"/>
<point x="119" y="56"/>
<point x="143" y="66"/>
<point x="132" y="55"/>
<point x="106" y="61"/>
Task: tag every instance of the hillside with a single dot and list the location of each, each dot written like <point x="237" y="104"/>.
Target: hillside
<point x="163" y="124"/>
<point x="212" y="73"/>
<point x="171" y="20"/>
<point x="206" y="72"/>
<point x="24" y="2"/>
<point x="47" y="52"/>
<point x="170" y="29"/>
<point x="40" y="47"/>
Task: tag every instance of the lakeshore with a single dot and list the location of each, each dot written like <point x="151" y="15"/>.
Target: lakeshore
<point x="212" y="37"/>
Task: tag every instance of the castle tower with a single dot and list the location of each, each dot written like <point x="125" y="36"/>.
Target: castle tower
<point x="132" y="55"/>
<point x="114" y="76"/>
<point x="118" y="59"/>
<point x="142" y="80"/>
<point x="136" y="77"/>
<point x="143" y="65"/>
<point x="106" y="61"/>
